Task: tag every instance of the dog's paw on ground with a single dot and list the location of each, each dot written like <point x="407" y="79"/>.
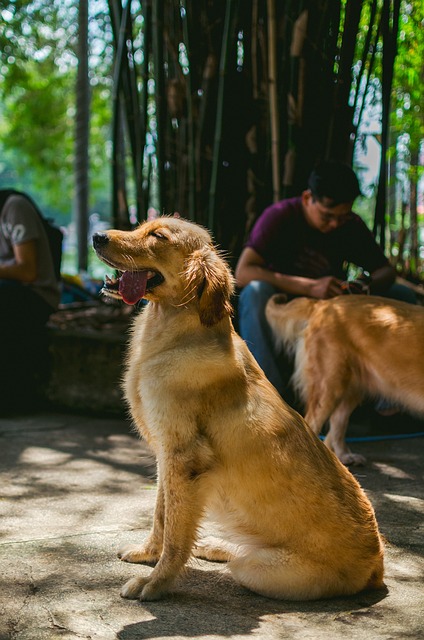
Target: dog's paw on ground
<point x="133" y="588"/>
<point x="352" y="459"/>
<point x="142" y="589"/>
<point x="137" y="555"/>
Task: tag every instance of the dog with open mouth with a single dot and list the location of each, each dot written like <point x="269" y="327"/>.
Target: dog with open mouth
<point x="294" y="522"/>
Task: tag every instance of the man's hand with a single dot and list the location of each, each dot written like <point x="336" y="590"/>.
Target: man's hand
<point x="327" y="287"/>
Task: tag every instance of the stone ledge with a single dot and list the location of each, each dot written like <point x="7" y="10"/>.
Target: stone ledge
<point x="85" y="371"/>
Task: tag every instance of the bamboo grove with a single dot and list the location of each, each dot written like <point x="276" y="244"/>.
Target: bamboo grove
<point x="223" y="106"/>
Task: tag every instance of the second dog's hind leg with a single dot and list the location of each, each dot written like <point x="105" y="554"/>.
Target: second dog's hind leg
<point x="320" y="404"/>
<point x="336" y="437"/>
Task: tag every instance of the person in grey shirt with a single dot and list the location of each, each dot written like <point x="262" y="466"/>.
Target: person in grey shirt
<point x="29" y="294"/>
<point x="29" y="290"/>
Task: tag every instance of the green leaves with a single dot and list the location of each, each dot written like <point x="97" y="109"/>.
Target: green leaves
<point x="38" y="41"/>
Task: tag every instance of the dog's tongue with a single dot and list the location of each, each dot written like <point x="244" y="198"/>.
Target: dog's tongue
<point x="132" y="286"/>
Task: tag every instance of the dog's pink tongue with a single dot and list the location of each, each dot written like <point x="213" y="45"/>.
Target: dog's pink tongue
<point x="132" y="286"/>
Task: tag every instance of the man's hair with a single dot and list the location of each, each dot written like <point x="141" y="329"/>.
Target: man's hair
<point x="335" y="181"/>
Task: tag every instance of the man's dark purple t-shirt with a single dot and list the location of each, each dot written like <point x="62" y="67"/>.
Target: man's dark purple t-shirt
<point x="283" y="238"/>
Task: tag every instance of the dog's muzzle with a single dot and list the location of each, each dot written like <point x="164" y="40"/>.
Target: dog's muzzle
<point x="130" y="286"/>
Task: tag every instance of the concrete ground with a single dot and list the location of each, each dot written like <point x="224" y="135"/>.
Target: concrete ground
<point x="75" y="488"/>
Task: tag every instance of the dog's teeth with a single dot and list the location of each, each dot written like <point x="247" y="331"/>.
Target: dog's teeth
<point x="110" y="281"/>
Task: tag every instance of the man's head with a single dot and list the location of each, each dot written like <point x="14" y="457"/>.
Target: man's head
<point x="332" y="189"/>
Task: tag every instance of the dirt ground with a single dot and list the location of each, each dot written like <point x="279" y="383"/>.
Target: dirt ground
<point x="74" y="488"/>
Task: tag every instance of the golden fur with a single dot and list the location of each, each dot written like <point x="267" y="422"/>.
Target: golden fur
<point x="297" y="524"/>
<point x="347" y="348"/>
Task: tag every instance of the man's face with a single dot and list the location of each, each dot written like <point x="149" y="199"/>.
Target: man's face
<point x="320" y="215"/>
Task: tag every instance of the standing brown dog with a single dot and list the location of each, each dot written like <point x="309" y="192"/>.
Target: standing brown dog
<point x="298" y="524"/>
<point x="347" y="348"/>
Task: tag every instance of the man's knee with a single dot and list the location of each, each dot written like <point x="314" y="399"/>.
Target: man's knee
<point x="256" y="293"/>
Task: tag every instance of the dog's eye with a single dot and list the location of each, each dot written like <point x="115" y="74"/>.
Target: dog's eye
<point x="158" y="234"/>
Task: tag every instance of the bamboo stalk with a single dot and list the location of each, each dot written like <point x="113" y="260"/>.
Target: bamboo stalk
<point x="208" y="75"/>
<point x="157" y="23"/>
<point x="119" y="209"/>
<point x="125" y="93"/>
<point x="273" y="100"/>
<point x="216" y="160"/>
<point x="390" y="24"/>
<point x="191" y="143"/>
<point x="254" y="49"/>
<point x="144" y="102"/>
<point x="364" y="57"/>
<point x="82" y="138"/>
<point x="369" y="75"/>
<point x="137" y="135"/>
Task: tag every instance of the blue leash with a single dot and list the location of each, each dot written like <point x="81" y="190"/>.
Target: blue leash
<point x="404" y="436"/>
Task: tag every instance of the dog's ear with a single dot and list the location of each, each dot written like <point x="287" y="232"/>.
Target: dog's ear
<point x="210" y="281"/>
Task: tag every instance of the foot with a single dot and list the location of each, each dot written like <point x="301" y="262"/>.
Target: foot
<point x="351" y="459"/>
<point x="145" y="589"/>
<point x="213" y="549"/>
<point x="138" y="555"/>
<point x="386" y="408"/>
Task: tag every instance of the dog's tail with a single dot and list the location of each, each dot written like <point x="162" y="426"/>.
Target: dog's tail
<point x="288" y="320"/>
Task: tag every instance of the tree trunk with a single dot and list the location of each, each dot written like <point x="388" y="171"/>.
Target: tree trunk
<point x="391" y="194"/>
<point x="227" y="144"/>
<point x="82" y="132"/>
<point x="340" y="141"/>
<point x="413" y="210"/>
<point x="390" y="23"/>
<point x="400" y="260"/>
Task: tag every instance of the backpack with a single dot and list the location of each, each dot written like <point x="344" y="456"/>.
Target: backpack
<point x="53" y="233"/>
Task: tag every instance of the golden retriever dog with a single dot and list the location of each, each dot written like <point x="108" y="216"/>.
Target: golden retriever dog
<point x="347" y="348"/>
<point x="297" y="524"/>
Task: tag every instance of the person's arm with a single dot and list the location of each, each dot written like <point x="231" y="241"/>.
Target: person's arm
<point x="24" y="266"/>
<point x="251" y="266"/>
<point x="366" y="253"/>
<point x="382" y="279"/>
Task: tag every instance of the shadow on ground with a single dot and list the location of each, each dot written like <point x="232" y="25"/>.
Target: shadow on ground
<point x="74" y="489"/>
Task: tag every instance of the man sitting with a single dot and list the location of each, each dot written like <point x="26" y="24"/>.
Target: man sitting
<point x="29" y="290"/>
<point x="301" y="246"/>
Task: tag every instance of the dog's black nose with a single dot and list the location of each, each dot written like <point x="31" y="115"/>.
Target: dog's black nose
<point x="100" y="240"/>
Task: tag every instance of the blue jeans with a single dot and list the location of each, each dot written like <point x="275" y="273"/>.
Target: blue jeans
<point x="254" y="328"/>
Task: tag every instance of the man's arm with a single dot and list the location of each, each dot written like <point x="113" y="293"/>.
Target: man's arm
<point x="382" y="279"/>
<point x="24" y="266"/>
<point x="251" y="266"/>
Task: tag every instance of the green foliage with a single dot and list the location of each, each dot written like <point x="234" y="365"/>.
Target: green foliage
<point x="37" y="94"/>
<point x="38" y="40"/>
<point x="408" y="97"/>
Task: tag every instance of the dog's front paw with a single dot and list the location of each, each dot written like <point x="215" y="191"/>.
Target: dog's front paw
<point x="138" y="555"/>
<point x="152" y="592"/>
<point x="142" y="589"/>
<point x="133" y="588"/>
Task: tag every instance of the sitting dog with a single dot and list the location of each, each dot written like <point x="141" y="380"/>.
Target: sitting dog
<point x="347" y="348"/>
<point x="297" y="523"/>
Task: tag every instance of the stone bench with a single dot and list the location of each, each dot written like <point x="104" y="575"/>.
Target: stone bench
<point x="85" y="371"/>
<point x="86" y="351"/>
